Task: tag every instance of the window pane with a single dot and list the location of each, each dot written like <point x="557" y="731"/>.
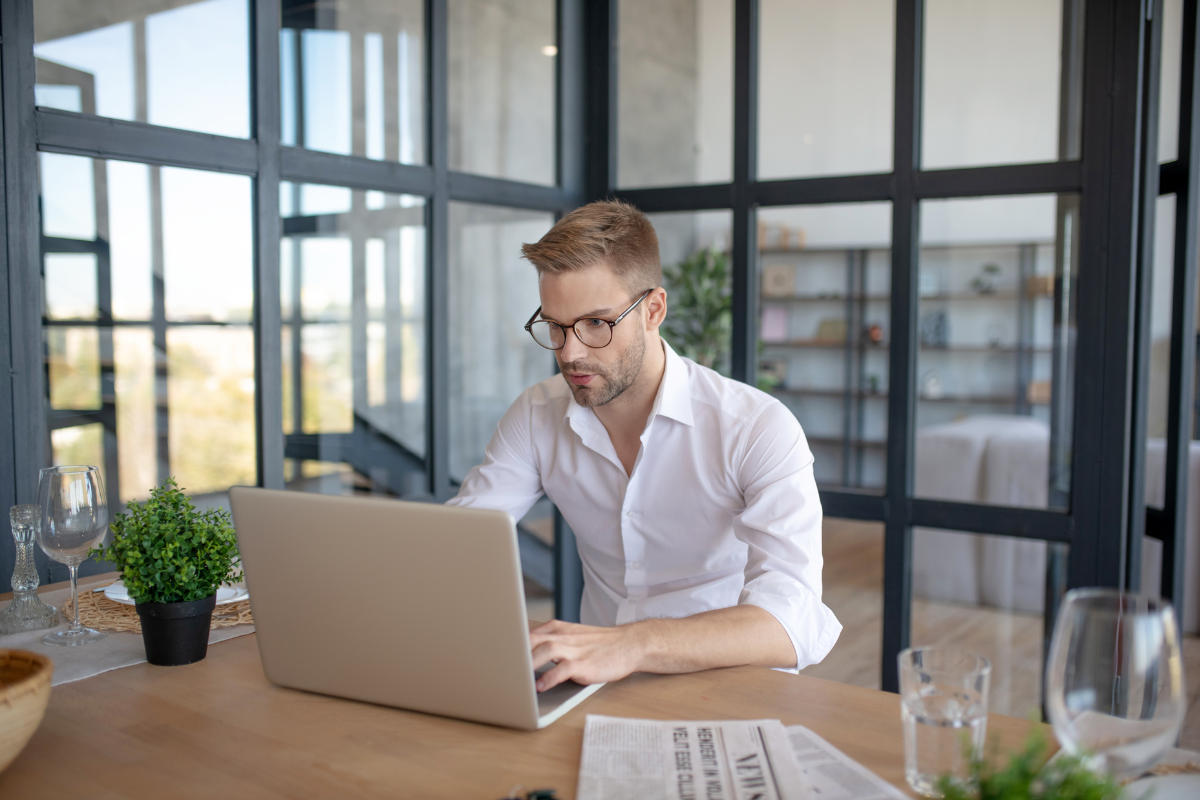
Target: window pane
<point x="210" y="392"/>
<point x="195" y="58"/>
<point x="502" y="78"/>
<point x="1158" y="378"/>
<point x="492" y="293"/>
<point x="208" y="245"/>
<point x="991" y="82"/>
<point x="675" y="92"/>
<point x="173" y="392"/>
<point x="984" y="594"/>
<point x="1168" y="81"/>
<point x="133" y="350"/>
<point x="825" y="282"/>
<point x="825" y="88"/>
<point x="70" y="285"/>
<point x="79" y="444"/>
<point x="68" y="214"/>
<point x="130" y="242"/>
<point x="994" y="357"/>
<point x="353" y="305"/>
<point x="73" y="366"/>
<point x="694" y="249"/>
<point x="853" y="591"/>
<point x="353" y="77"/>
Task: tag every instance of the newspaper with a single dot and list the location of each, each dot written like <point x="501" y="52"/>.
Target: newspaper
<point x="654" y="760"/>
<point x="725" y="760"/>
<point x="833" y="775"/>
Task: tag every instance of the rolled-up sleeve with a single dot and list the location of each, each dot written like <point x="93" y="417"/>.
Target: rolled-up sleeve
<point x="781" y="526"/>
<point x="508" y="478"/>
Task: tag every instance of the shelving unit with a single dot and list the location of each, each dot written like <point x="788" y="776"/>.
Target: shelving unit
<point x="836" y="384"/>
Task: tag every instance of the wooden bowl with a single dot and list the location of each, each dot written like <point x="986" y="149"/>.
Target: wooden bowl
<point x="24" y="692"/>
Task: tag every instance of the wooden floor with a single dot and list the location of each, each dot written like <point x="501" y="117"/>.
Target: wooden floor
<point x="854" y="590"/>
<point x="1012" y="640"/>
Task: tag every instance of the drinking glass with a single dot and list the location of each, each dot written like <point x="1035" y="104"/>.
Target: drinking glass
<point x="74" y="519"/>
<point x="1114" y="681"/>
<point x="943" y="704"/>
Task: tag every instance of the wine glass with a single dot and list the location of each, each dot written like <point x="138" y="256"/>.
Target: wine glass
<point x="1115" y="691"/>
<point x="74" y="519"/>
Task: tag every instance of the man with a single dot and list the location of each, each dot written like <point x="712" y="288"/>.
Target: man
<point x="691" y="495"/>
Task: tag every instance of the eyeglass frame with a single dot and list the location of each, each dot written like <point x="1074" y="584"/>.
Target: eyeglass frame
<point x="612" y="323"/>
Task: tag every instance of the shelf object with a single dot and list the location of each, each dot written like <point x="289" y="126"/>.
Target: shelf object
<point x="832" y="296"/>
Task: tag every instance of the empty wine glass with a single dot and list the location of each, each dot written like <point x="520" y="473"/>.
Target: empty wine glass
<point x="74" y="519"/>
<point x="1115" y="691"/>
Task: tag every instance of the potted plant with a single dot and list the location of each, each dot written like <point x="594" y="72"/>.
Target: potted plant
<point x="172" y="559"/>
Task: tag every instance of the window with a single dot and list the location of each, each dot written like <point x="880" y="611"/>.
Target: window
<point x="148" y="298"/>
<point x="352" y="280"/>
<point x="166" y="63"/>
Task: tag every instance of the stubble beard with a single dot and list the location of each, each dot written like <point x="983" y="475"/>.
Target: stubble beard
<point x="614" y="381"/>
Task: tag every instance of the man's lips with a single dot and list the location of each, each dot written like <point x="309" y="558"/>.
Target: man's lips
<point x="580" y="379"/>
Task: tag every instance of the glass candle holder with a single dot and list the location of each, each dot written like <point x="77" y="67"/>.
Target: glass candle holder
<point x="27" y="612"/>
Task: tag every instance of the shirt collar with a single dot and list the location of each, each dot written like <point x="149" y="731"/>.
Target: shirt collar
<point x="675" y="393"/>
<point x="674" y="398"/>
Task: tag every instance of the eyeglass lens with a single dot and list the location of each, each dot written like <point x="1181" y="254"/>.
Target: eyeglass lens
<point x="592" y="332"/>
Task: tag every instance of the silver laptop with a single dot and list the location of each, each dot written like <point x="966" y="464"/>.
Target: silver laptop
<point x="411" y="605"/>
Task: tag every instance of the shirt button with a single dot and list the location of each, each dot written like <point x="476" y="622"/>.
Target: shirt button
<point x="634" y="564"/>
<point x="629" y="513"/>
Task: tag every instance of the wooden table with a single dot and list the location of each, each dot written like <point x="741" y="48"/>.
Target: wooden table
<point x="218" y="729"/>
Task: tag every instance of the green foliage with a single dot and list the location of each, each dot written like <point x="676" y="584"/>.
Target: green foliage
<point x="699" y="323"/>
<point x="1029" y="776"/>
<point x="169" y="552"/>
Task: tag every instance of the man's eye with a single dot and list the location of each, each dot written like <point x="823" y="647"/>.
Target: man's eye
<point x="594" y="323"/>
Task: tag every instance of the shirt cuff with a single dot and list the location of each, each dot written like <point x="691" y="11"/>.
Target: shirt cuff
<point x="810" y="624"/>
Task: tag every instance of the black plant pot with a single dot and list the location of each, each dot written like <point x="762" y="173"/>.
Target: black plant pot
<point x="176" y="633"/>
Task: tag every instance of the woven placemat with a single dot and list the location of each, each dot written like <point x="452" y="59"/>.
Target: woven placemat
<point x="97" y="611"/>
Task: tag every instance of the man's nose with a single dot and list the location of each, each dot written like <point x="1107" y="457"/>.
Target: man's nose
<point x="572" y="349"/>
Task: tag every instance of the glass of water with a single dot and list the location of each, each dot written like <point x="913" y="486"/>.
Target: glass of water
<point x="943" y="704"/>
<point x="74" y="519"/>
<point x="1115" y="691"/>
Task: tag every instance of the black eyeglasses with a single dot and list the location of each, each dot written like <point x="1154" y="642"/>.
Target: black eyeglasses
<point x="592" y="331"/>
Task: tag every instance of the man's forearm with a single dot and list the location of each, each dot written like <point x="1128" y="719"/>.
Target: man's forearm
<point x="725" y="637"/>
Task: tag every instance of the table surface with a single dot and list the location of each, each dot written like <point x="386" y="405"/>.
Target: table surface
<point x="217" y="728"/>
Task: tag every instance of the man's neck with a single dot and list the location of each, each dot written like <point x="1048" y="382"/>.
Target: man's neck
<point x="625" y="416"/>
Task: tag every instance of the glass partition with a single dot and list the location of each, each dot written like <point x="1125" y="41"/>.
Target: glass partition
<point x="352" y="280"/>
<point x="992" y="83"/>
<point x="182" y="65"/>
<point x="493" y="291"/>
<point x="694" y="249"/>
<point x="674" y="93"/>
<point x="502" y="102"/>
<point x="990" y="603"/>
<point x="825" y="88"/>
<point x="995" y="354"/>
<point x="852" y="584"/>
<point x="352" y="77"/>
<point x="148" y="297"/>
<point x="825" y="331"/>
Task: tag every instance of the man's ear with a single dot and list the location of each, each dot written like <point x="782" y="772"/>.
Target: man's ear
<point x="656" y="308"/>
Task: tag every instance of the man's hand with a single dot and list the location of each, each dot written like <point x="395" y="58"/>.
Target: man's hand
<point x="726" y="637"/>
<point x="584" y="653"/>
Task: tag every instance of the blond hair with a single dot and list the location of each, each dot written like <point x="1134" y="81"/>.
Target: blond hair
<point x="610" y="232"/>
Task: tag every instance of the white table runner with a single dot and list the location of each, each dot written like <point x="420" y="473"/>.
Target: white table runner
<point x="114" y="651"/>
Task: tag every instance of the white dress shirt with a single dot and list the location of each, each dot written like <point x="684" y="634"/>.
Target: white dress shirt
<point x="721" y="508"/>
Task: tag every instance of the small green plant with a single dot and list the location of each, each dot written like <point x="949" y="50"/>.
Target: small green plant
<point x="699" y="321"/>
<point x="167" y="551"/>
<point x="1030" y="776"/>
